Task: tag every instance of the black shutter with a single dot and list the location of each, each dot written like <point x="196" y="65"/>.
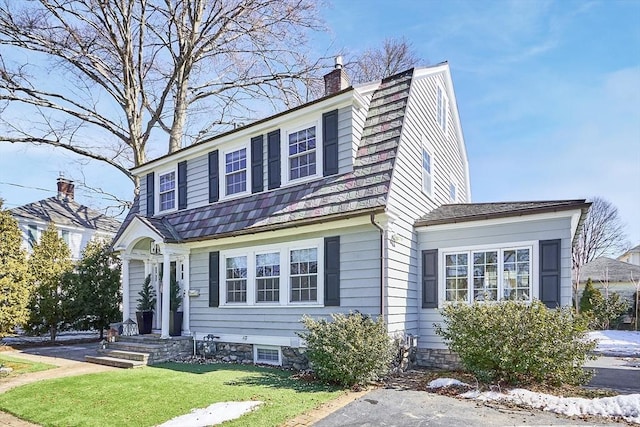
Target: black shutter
<point x="430" y="278"/>
<point x="273" y="153"/>
<point x="214" y="180"/>
<point x="182" y="185"/>
<point x="550" y="272"/>
<point x="150" y="195"/>
<point x="332" y="271"/>
<point x="257" y="180"/>
<point x="214" y="279"/>
<point x="330" y="143"/>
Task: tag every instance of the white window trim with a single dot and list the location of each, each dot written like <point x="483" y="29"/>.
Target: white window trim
<point x="285" y="287"/>
<point x="284" y="153"/>
<point x="222" y="167"/>
<point x="267" y="362"/>
<point x="532" y="245"/>
<point x="429" y="149"/>
<point x="156" y="196"/>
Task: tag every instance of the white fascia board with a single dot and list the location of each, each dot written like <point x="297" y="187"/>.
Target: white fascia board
<point x="505" y="220"/>
<point x="286" y="232"/>
<point x="246" y="132"/>
<point x="45" y="224"/>
<point x="453" y="105"/>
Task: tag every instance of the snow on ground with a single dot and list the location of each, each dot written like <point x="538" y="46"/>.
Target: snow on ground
<point x="213" y="414"/>
<point x="626" y="406"/>
<point x="617" y="343"/>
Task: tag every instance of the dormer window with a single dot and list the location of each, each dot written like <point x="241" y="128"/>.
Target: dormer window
<point x="167" y="193"/>
<point x="235" y="167"/>
<point x="302" y="153"/>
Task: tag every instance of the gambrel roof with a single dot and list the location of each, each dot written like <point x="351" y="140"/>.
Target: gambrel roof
<point x="61" y="211"/>
<point x="363" y="190"/>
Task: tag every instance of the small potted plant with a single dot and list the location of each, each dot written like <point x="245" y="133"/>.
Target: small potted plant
<point x="145" y="307"/>
<point x="175" y="302"/>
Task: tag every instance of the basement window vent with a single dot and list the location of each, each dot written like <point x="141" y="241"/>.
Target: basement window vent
<point x="268" y="355"/>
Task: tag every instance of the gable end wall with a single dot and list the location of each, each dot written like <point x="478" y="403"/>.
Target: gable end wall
<point x="407" y="201"/>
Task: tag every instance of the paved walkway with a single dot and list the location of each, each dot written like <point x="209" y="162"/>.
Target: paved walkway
<point x="68" y="361"/>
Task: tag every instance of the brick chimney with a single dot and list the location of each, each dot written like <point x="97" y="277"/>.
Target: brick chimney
<point x="65" y="189"/>
<point x="337" y="79"/>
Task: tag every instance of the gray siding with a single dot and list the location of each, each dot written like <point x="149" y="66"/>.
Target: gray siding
<point x="360" y="290"/>
<point x="407" y="201"/>
<point x="136" y="278"/>
<point x="198" y="181"/>
<point x="503" y="234"/>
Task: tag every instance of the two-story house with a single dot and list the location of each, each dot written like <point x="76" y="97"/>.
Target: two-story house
<point x="76" y="224"/>
<point x="359" y="200"/>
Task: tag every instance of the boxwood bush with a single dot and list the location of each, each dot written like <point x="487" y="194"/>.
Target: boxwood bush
<point x="351" y="349"/>
<point x="518" y="342"/>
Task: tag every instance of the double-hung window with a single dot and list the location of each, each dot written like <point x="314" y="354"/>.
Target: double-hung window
<point x="304" y="275"/>
<point x="488" y="274"/>
<point x="236" y="279"/>
<point x="235" y="169"/>
<point x="167" y="191"/>
<point x="302" y="153"/>
<point x="280" y="275"/>
<point x="268" y="277"/>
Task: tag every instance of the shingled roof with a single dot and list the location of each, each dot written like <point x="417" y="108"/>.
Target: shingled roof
<point x="463" y="212"/>
<point x="62" y="211"/>
<point x="364" y="190"/>
<point x="604" y="268"/>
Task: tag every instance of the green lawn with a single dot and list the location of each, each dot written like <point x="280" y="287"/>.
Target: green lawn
<point x="22" y="366"/>
<point x="153" y="395"/>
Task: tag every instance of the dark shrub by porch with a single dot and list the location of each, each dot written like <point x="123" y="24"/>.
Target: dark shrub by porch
<point x="518" y="342"/>
<point x="352" y="349"/>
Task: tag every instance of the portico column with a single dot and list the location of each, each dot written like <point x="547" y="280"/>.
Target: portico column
<point x="125" y="288"/>
<point x="166" y="277"/>
<point x="185" y="300"/>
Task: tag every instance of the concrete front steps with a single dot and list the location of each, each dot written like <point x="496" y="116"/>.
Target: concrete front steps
<point x="141" y="350"/>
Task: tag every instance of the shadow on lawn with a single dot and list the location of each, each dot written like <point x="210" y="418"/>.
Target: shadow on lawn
<point x="257" y="376"/>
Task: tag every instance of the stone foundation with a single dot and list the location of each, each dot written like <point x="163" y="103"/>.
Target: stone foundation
<point x="294" y="358"/>
<point x="438" y="358"/>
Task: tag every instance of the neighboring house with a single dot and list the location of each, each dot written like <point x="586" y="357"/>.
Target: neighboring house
<point x="359" y="200"/>
<point x="632" y="256"/>
<point x="607" y="273"/>
<point x="76" y="224"/>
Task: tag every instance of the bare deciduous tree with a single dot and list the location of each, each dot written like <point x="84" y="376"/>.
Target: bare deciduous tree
<point x="602" y="233"/>
<point x="395" y="55"/>
<point x="107" y="79"/>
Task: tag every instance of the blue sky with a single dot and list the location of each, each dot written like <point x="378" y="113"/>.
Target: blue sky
<point x="548" y="94"/>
